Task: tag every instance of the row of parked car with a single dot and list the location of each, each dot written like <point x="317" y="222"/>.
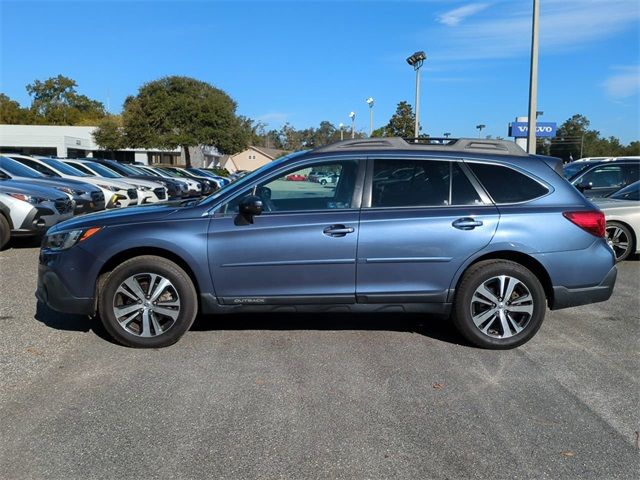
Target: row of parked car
<point x="613" y="184"/>
<point x="39" y="192"/>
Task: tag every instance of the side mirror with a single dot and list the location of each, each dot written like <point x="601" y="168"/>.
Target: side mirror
<point x="582" y="186"/>
<point x="250" y="206"/>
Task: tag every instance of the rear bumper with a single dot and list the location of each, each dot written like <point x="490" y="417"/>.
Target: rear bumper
<point x="564" y="297"/>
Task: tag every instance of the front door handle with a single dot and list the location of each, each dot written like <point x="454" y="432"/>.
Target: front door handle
<point x="466" y="223"/>
<point x="338" y="230"/>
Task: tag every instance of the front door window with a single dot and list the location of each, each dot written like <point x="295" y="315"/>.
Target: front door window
<point x="325" y="186"/>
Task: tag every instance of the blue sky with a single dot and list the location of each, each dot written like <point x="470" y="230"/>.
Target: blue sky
<point x="303" y="62"/>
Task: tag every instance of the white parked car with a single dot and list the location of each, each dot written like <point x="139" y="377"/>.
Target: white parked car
<point x="29" y="210"/>
<point x="148" y="192"/>
<point x="194" y="188"/>
<point x="116" y="193"/>
<point x="622" y="214"/>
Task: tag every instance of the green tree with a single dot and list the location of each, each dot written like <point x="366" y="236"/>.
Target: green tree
<point x="402" y="122"/>
<point x="110" y="134"/>
<point x="11" y="113"/>
<point x="55" y="101"/>
<point x="574" y="139"/>
<point x="182" y="111"/>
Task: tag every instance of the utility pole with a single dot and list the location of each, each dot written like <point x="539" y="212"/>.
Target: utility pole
<point x="533" y="80"/>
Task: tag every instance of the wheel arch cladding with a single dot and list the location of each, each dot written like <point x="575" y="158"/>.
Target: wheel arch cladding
<point x="128" y="254"/>
<point x="521" y="258"/>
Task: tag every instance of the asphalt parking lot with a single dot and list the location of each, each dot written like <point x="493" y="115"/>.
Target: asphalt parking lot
<point x="345" y="396"/>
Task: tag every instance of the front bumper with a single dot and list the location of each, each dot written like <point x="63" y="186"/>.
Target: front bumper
<point x="86" y="205"/>
<point x="53" y="293"/>
<point x="564" y="297"/>
<point x="64" y="280"/>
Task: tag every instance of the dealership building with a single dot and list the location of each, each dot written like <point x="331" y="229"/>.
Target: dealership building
<point x="77" y="142"/>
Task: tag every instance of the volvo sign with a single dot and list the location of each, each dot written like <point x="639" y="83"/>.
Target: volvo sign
<point x="543" y="129"/>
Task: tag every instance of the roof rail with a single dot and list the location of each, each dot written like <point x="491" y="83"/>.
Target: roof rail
<point x="473" y="145"/>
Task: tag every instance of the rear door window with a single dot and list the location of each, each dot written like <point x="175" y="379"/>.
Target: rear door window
<point x="506" y="185"/>
<point x="420" y="183"/>
<point x="604" y="176"/>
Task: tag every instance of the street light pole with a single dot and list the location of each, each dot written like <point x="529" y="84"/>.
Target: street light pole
<point x="480" y="127"/>
<point x="446" y="134"/>
<point x="533" y="80"/>
<point x="341" y="131"/>
<point x="352" y="116"/>
<point x="416" y="60"/>
<point x="370" y="103"/>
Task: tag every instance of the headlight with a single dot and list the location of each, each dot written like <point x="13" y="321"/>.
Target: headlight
<point x="66" y="190"/>
<point x="109" y="187"/>
<point x="143" y="188"/>
<point x="65" y="240"/>
<point x="28" y="198"/>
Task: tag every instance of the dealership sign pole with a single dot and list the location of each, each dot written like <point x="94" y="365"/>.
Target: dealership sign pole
<point x="533" y="80"/>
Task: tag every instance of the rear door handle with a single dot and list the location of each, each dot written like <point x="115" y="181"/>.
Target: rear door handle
<point x="466" y="223"/>
<point x="338" y="230"/>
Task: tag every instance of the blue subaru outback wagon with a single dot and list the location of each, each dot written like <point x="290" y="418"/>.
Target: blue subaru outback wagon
<point x="475" y="229"/>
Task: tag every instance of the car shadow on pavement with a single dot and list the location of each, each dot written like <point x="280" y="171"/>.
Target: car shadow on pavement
<point x="432" y="326"/>
<point x="74" y="323"/>
<point x="438" y="328"/>
<point x="24" y="242"/>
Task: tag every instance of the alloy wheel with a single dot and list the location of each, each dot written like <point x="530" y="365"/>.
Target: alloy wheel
<point x="619" y="241"/>
<point x="501" y="307"/>
<point x="146" y="305"/>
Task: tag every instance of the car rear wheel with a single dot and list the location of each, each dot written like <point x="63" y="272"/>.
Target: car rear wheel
<point x="620" y="238"/>
<point x="5" y="231"/>
<point x="147" y="302"/>
<point x="499" y="304"/>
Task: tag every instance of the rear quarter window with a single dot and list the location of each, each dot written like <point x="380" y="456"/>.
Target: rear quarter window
<point x="506" y="185"/>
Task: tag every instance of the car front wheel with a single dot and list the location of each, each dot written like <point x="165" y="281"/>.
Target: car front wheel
<point x="5" y="231"/>
<point x="499" y="304"/>
<point x="147" y="302"/>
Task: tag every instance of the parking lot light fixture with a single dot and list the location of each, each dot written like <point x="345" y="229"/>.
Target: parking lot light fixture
<point x="352" y="116"/>
<point x="446" y="134"/>
<point x="416" y="60"/>
<point x="341" y="126"/>
<point x="370" y="103"/>
<point x="480" y="127"/>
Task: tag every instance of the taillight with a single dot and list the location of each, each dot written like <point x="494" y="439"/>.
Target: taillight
<point x="590" y="221"/>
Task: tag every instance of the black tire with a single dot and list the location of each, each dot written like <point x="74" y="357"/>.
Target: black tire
<point x="154" y="265"/>
<point x="323" y="182"/>
<point x="477" y="276"/>
<point x="621" y="254"/>
<point x="5" y="231"/>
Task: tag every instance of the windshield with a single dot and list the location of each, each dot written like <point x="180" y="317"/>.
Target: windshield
<point x="102" y="170"/>
<point x="17" y="169"/>
<point x="573" y="169"/>
<point x="126" y="169"/>
<point x="63" y="167"/>
<point x="198" y="172"/>
<point x="249" y="177"/>
<point x="630" y="192"/>
<point x="168" y="173"/>
<point x="148" y="171"/>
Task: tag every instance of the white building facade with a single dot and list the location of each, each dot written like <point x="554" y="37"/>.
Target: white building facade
<point x="74" y="142"/>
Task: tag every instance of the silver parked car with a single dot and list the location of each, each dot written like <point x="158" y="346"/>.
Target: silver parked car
<point x="622" y="213"/>
<point x="29" y="210"/>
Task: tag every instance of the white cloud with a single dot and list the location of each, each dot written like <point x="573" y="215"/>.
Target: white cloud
<point x="453" y="17"/>
<point x="273" y="117"/>
<point x="564" y="24"/>
<point x="624" y="84"/>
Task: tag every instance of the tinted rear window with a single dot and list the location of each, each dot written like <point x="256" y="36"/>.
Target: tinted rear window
<point x="506" y="185"/>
